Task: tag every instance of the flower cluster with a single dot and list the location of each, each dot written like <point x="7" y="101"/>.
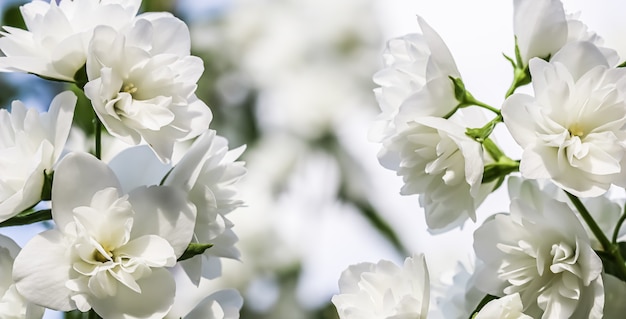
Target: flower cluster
<point x="556" y="253"/>
<point x="131" y="236"/>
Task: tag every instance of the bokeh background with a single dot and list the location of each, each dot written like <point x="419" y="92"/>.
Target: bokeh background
<point x="291" y="79"/>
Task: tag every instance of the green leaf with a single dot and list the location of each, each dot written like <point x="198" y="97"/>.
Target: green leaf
<point x="193" y="250"/>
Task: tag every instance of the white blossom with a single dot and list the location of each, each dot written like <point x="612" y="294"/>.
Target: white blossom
<point x="203" y="300"/>
<point x="209" y="173"/>
<point x="57" y="36"/>
<point x="572" y="130"/>
<point x="541" y="251"/>
<point x="108" y="250"/>
<point x="384" y="290"/>
<point x="414" y="82"/>
<point x="30" y="145"/>
<point x="507" y="307"/>
<point x="142" y="83"/>
<point x="542" y="28"/>
<point x="12" y="304"/>
<point x="437" y="160"/>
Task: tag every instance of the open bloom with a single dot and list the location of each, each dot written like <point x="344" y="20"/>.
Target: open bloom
<point x="12" y="304"/>
<point x="415" y="81"/>
<point x="507" y="307"/>
<point x="142" y="83"/>
<point x="55" y="44"/>
<point x="572" y="130"/>
<point x="30" y="145"/>
<point x="108" y="250"/>
<point x="437" y="160"/>
<point x="541" y="251"/>
<point x="542" y="28"/>
<point x="209" y="173"/>
<point x="384" y="290"/>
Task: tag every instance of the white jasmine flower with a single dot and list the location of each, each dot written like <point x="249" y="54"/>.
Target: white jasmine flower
<point x="108" y="249"/>
<point x="384" y="290"/>
<point x="12" y="304"/>
<point x="572" y="130"/>
<point x="415" y="81"/>
<point x="458" y="296"/>
<point x="203" y="300"/>
<point x="441" y="163"/>
<point x="142" y="83"/>
<point x="209" y="173"/>
<point x="30" y="145"/>
<point x="507" y="307"/>
<point x="55" y="44"/>
<point x="542" y="28"/>
<point x="541" y="251"/>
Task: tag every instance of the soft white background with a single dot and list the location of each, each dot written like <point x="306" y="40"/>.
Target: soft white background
<point x="477" y="33"/>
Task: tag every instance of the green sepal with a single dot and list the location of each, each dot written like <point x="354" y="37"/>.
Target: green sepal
<point x="46" y="190"/>
<point x="481" y="134"/>
<point x="80" y="77"/>
<point x="194" y="249"/>
<point x="460" y="93"/>
<point x="499" y="169"/>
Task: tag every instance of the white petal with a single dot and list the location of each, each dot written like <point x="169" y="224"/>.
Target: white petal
<point x="580" y="57"/>
<point x="540" y="27"/>
<point x="154" y="301"/>
<point x="164" y="211"/>
<point x="152" y="250"/>
<point x="77" y="178"/>
<point x="185" y="174"/>
<point x="42" y="269"/>
<point x="138" y="166"/>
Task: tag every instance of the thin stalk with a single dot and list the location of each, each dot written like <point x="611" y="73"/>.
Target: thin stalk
<point x="485" y="106"/>
<point x="597" y="231"/>
<point x="98" y="132"/>
<point x="618" y="226"/>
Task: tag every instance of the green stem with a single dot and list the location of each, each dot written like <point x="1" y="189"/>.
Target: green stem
<point x="597" y="231"/>
<point x="618" y="226"/>
<point x="39" y="216"/>
<point x="484" y="106"/>
<point x="98" y="132"/>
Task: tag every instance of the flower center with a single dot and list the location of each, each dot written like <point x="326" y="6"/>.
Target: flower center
<point x="576" y="130"/>
<point x="129" y="88"/>
<point x="102" y="254"/>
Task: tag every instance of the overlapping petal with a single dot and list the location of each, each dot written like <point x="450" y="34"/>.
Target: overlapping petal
<point x="30" y="145"/>
<point x="572" y="130"/>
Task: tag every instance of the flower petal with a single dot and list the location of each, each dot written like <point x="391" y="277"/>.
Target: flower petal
<point x="164" y="211"/>
<point x="77" y="178"/>
<point x="154" y="301"/>
<point x="42" y="269"/>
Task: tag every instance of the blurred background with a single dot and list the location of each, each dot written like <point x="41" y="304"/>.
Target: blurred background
<point x="291" y="79"/>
